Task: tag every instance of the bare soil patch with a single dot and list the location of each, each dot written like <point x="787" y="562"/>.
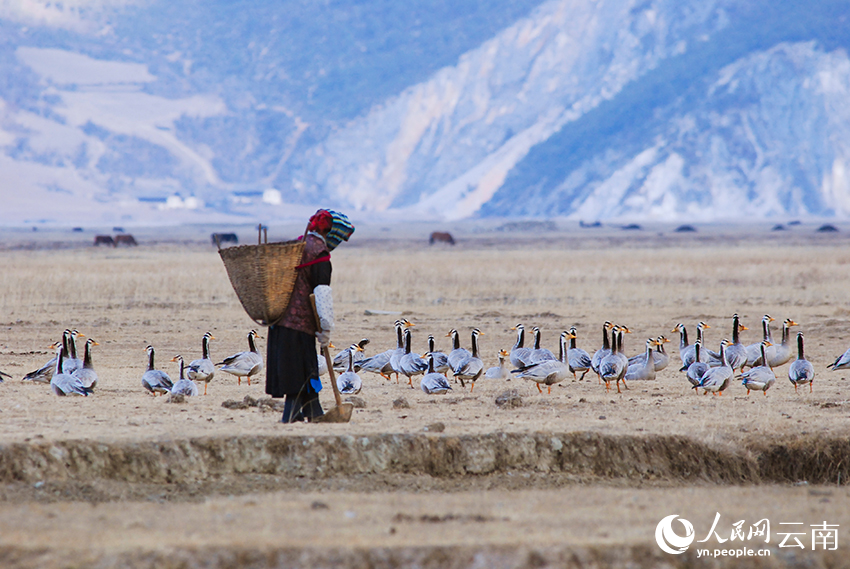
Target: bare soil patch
<point x="141" y="458"/>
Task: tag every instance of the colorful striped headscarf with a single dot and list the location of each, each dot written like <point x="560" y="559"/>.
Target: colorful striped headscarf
<point x="341" y="230"/>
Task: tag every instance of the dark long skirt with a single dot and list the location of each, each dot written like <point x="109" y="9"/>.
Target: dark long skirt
<point x="291" y="364"/>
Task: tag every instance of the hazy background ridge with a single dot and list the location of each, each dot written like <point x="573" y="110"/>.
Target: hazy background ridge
<point x="148" y="112"/>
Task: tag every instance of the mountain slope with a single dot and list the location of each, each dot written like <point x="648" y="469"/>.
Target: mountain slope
<point x="447" y="144"/>
<point x="690" y="104"/>
<point x="138" y="111"/>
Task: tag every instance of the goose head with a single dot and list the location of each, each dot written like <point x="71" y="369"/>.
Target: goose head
<point x="520" y="335"/>
<point x="737" y="323"/>
<point x="723" y="344"/>
<point x="536" y="332"/>
<point x="179" y="359"/>
<point x="150" y="353"/>
<point x="474" y="337"/>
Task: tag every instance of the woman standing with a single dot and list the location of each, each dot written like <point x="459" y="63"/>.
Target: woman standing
<point x="293" y="370"/>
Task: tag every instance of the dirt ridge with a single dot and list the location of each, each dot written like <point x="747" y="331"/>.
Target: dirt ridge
<point x="640" y="458"/>
<point x="437" y="557"/>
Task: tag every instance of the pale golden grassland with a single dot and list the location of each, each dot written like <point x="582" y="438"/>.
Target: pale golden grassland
<point x="169" y="295"/>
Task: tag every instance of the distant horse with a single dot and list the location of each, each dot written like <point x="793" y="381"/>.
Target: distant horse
<point x="104" y="240"/>
<point x="125" y="239"/>
<point x="441" y="237"/>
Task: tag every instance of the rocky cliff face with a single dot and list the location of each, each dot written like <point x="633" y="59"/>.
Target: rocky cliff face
<point x="444" y="147"/>
<point x="608" y="109"/>
<point x="767" y="138"/>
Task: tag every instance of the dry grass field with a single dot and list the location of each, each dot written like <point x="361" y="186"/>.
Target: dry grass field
<point x="173" y="288"/>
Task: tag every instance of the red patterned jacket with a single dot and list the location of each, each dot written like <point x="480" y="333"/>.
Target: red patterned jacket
<point x="299" y="314"/>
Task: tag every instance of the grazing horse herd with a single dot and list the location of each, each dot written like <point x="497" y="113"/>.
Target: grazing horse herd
<point x="108" y="240"/>
<point x="220" y="238"/>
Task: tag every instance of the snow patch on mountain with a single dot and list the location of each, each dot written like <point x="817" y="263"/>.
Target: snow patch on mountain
<point x="770" y="138"/>
<point x="445" y="146"/>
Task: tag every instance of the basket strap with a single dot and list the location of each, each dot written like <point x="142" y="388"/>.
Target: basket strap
<point x="314" y="262"/>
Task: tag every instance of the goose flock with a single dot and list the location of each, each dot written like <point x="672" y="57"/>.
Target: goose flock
<point x="68" y="375"/>
<point x="707" y="371"/>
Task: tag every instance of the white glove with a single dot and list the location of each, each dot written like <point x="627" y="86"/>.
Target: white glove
<point x="325" y="310"/>
<point x="324" y="338"/>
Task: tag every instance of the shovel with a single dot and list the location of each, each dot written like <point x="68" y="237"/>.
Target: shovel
<point x="342" y="412"/>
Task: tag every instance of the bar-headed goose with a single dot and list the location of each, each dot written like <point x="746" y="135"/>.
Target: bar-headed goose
<point x="69" y="340"/>
<point x="395" y="355"/>
<point x="86" y="373"/>
<point x="380" y="363"/>
<point x="577" y="359"/>
<point x="801" y="371"/>
<point x="659" y="356"/>
<point x="183" y="386"/>
<point x="411" y="364"/>
<point x="841" y="362"/>
<point x="754" y="350"/>
<point x="736" y="352"/>
<point x="202" y="369"/>
<point x="603" y="351"/>
<point x="778" y="355"/>
<point x="441" y="360"/>
<point x="457" y="354"/>
<point x="614" y="366"/>
<point x="63" y="383"/>
<point x="683" y="342"/>
<point x="761" y="377"/>
<point x="244" y="364"/>
<point x="539" y="354"/>
<point x="698" y="368"/>
<point x="470" y="367"/>
<point x="434" y="383"/>
<point x="520" y="355"/>
<point x="45" y="372"/>
<point x="547" y="372"/>
<point x="644" y="369"/>
<point x="716" y="379"/>
<point x="340" y="360"/>
<point x="687" y="353"/>
<point x="348" y="382"/>
<point x="501" y="370"/>
<point x="154" y="380"/>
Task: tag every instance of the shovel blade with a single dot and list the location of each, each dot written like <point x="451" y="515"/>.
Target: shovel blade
<point x="340" y="414"/>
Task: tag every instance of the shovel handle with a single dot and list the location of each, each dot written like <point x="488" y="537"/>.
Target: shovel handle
<point x="327" y="354"/>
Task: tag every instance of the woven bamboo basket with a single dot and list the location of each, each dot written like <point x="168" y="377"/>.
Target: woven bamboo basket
<point x="263" y="277"/>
